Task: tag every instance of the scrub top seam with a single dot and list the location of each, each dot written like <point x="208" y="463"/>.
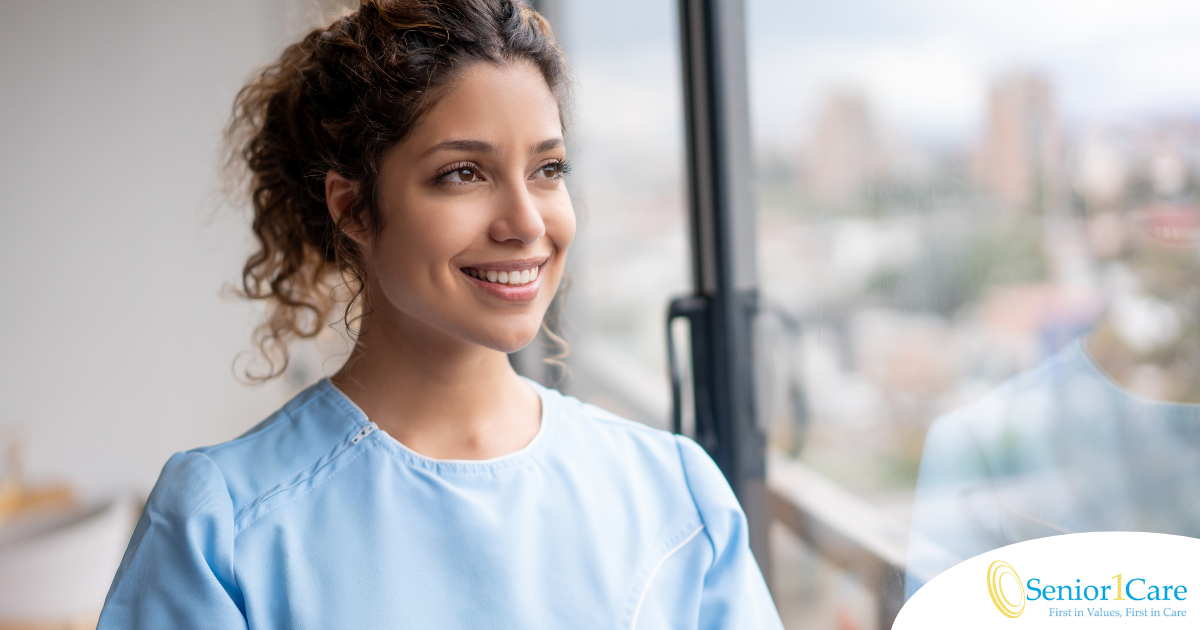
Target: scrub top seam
<point x="277" y="484"/>
<point x="238" y="531"/>
<point x="654" y="573"/>
<point x="326" y="390"/>
<point x="687" y="479"/>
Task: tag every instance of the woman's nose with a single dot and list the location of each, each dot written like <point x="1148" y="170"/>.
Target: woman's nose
<point x="519" y="219"/>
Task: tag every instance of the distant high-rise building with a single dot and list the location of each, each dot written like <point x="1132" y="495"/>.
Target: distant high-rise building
<point x="1021" y="157"/>
<point x="843" y="154"/>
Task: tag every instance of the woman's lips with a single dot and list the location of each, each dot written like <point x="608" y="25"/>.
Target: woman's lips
<point x="528" y="283"/>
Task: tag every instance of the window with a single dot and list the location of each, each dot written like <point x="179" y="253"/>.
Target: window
<point x="973" y="239"/>
<point x="977" y="252"/>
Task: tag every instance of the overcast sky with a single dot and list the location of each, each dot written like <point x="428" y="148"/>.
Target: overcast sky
<point x="924" y="65"/>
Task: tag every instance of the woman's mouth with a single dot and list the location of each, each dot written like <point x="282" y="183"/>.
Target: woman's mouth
<point x="519" y="283"/>
<point x="513" y="277"/>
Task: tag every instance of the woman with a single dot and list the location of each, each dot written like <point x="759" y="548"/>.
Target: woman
<point x="415" y="148"/>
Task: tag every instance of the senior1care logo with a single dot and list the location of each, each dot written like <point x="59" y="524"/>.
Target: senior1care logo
<point x="1010" y="602"/>
<point x="1119" y="579"/>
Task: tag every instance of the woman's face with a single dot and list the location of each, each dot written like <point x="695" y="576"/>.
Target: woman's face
<point x="477" y="219"/>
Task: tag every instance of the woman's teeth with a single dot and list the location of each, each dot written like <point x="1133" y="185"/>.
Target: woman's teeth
<point x="515" y="278"/>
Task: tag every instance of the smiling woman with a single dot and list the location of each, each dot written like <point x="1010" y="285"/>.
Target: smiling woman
<point x="476" y="186"/>
<point x="414" y="151"/>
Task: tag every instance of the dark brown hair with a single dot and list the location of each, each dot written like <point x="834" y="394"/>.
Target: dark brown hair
<point x="338" y="100"/>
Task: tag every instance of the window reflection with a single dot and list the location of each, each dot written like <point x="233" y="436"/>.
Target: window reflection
<point x="978" y="249"/>
<point x="1105" y="434"/>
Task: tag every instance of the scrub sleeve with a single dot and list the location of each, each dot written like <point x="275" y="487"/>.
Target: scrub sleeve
<point x="734" y="593"/>
<point x="178" y="570"/>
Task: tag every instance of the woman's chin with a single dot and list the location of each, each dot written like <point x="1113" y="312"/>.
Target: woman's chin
<point x="507" y="341"/>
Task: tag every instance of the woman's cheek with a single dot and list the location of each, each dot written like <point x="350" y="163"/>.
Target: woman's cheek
<point x="560" y="227"/>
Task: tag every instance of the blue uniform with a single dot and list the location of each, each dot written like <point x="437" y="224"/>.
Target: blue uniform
<point x="317" y="519"/>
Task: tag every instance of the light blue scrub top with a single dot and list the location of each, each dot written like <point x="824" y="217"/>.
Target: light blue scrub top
<point x="317" y="519"/>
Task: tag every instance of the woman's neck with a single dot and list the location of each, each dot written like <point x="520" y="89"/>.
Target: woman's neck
<point x="1170" y="373"/>
<point x="441" y="396"/>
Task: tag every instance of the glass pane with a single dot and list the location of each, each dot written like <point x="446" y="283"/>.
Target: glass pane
<point x="630" y="254"/>
<point x="978" y="247"/>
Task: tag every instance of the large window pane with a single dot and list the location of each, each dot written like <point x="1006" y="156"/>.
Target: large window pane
<point x="979" y="217"/>
<point x="630" y="255"/>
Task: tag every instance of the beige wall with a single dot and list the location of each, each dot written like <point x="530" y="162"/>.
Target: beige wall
<point x="115" y="344"/>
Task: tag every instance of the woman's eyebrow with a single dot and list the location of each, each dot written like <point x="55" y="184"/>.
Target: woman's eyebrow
<point x="546" y="145"/>
<point x="473" y="146"/>
<point x="480" y="146"/>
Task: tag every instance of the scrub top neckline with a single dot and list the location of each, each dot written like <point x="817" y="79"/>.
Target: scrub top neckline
<point x="458" y="465"/>
<point x="1108" y="380"/>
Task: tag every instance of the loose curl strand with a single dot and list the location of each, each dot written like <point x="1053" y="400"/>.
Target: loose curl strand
<point x="337" y="100"/>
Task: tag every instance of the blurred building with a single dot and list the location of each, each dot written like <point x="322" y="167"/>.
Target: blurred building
<point x="1021" y="158"/>
<point x="844" y="154"/>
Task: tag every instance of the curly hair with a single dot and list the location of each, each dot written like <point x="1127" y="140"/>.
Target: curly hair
<point x="337" y="100"/>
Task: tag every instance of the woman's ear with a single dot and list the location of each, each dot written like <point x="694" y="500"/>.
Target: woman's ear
<point x="340" y="194"/>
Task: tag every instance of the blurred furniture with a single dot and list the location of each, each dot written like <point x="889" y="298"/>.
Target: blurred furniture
<point x="56" y="565"/>
<point x="58" y="554"/>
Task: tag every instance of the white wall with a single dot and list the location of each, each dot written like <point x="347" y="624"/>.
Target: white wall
<point x="116" y="346"/>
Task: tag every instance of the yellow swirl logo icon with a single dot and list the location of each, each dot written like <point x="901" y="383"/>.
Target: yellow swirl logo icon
<point x="1004" y="585"/>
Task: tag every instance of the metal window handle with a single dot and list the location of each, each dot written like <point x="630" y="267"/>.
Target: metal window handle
<point x="695" y="310"/>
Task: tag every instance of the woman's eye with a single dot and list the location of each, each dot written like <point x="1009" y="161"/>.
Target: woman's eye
<point x="465" y="174"/>
<point x="550" y="171"/>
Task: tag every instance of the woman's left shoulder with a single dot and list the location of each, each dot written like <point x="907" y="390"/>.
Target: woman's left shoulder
<point x="590" y="433"/>
<point x="603" y="432"/>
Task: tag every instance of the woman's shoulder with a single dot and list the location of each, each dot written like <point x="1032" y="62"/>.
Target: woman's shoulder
<point x="275" y="452"/>
<point x="650" y="456"/>
<point x="601" y="432"/>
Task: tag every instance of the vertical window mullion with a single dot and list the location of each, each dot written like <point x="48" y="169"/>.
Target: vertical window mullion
<point x="722" y="230"/>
